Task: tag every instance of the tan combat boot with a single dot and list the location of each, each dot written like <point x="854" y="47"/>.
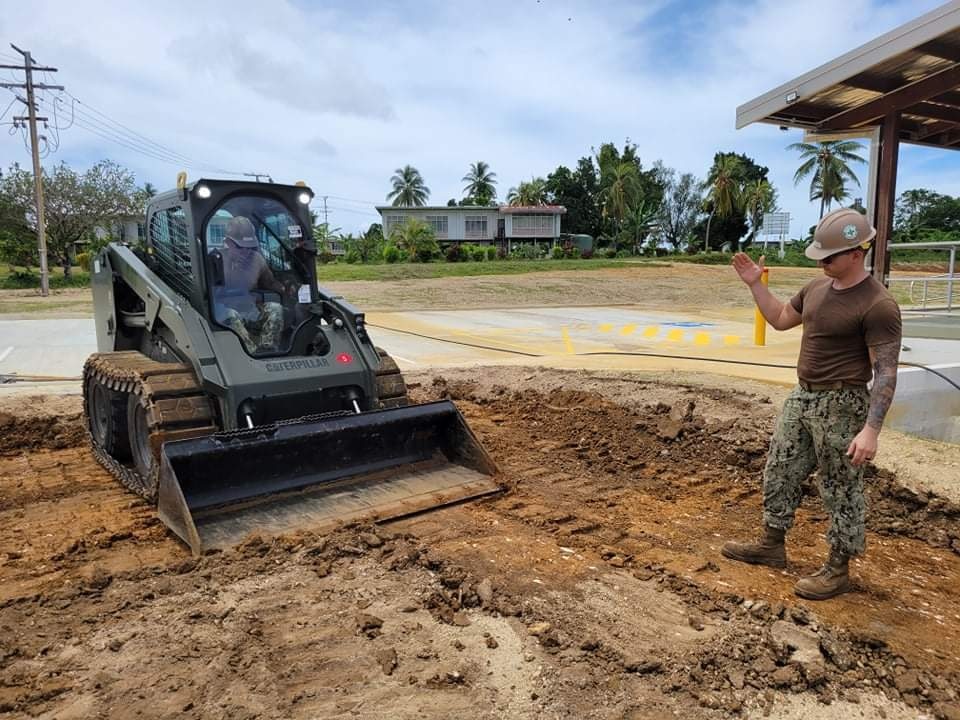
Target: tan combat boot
<point x="831" y="580"/>
<point x="769" y="550"/>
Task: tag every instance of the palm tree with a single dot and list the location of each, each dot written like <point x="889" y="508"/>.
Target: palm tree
<point x="532" y="192"/>
<point x="724" y="193"/>
<point x="828" y="190"/>
<point x="621" y="185"/>
<point x="827" y="164"/>
<point x="416" y="239"/>
<point x="758" y="198"/>
<point x="408" y="188"/>
<point x="480" y="181"/>
<point x="640" y="221"/>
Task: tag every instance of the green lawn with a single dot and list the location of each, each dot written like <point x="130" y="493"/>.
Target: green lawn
<point x="409" y="271"/>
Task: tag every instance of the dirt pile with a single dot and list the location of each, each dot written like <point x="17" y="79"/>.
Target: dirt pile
<point x="594" y="588"/>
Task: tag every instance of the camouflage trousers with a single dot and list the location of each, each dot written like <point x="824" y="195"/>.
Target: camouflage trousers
<point x="269" y="322"/>
<point x="814" y="430"/>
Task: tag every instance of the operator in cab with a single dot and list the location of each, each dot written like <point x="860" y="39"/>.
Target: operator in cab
<point x="241" y="303"/>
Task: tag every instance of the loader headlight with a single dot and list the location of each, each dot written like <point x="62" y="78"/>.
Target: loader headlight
<point x="304" y="198"/>
<point x="203" y="192"/>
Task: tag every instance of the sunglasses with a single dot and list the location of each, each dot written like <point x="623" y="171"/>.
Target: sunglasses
<point x="830" y="258"/>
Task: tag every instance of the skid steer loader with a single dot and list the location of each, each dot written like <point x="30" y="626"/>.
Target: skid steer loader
<point x="240" y="397"/>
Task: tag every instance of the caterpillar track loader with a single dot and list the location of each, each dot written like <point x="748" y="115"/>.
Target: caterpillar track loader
<point x="239" y="396"/>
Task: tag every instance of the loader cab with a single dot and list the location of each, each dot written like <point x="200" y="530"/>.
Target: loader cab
<point x="261" y="271"/>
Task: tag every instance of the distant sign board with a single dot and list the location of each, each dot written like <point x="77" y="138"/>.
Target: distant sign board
<point x="777" y="224"/>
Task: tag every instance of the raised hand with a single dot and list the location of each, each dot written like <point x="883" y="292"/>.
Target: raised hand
<point x="749" y="271"/>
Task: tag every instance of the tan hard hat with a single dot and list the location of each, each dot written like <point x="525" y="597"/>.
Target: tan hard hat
<point x="241" y="231"/>
<point x="840" y="230"/>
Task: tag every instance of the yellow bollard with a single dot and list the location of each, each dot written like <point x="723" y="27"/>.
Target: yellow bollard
<point x="759" y="322"/>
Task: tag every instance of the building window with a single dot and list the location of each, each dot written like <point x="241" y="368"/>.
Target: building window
<point x="475" y="226"/>
<point x="439" y="223"/>
<point x="533" y="225"/>
<point x="216" y="232"/>
<point x="392" y="222"/>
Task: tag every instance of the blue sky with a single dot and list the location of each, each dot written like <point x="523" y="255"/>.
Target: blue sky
<point x="341" y="94"/>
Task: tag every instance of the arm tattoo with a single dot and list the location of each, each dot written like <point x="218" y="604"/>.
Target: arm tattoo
<point x="885" y="359"/>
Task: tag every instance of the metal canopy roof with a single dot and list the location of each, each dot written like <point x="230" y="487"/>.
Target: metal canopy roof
<point x="914" y="70"/>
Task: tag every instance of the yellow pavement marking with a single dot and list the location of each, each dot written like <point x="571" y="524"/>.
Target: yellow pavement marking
<point x="566" y="340"/>
<point x="701" y="338"/>
<point x="606" y="327"/>
<point x="651" y="331"/>
<point x="675" y="335"/>
<point x="628" y="330"/>
<point x="731" y="339"/>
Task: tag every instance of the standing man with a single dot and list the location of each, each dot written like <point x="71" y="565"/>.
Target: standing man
<point x="851" y="333"/>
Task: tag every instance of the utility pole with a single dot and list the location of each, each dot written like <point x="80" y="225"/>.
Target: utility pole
<point x="29" y="86"/>
<point x="325" y="219"/>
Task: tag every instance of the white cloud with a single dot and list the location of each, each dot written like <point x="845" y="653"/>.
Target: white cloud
<point x="341" y="96"/>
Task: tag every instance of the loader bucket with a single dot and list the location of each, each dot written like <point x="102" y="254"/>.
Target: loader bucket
<point x="315" y="472"/>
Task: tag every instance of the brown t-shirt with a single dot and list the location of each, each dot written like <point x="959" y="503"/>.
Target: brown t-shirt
<point x="839" y="326"/>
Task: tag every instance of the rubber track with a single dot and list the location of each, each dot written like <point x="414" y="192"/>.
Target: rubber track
<point x="176" y="408"/>
<point x="391" y="387"/>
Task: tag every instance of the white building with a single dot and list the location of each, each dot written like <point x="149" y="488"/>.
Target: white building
<point x="482" y="225"/>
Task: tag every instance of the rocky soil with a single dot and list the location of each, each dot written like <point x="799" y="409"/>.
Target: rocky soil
<point x="592" y="587"/>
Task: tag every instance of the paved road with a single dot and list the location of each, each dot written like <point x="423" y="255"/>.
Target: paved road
<point x="555" y="337"/>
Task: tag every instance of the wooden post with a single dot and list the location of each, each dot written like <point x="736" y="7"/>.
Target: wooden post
<point x="886" y="195"/>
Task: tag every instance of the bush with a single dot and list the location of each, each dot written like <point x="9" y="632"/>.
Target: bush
<point x="325" y="257"/>
<point x="352" y="257"/>
<point x="392" y="254"/>
<point x="28" y="279"/>
<point x="477" y="253"/>
<point x="557" y="253"/>
<point x="84" y="260"/>
<point x="455" y="253"/>
<point x="501" y="253"/>
<point x="610" y="253"/>
<point x="491" y="252"/>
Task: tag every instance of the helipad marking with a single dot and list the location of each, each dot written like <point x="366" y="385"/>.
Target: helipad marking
<point x="5" y="353"/>
<point x="628" y="330"/>
<point x="651" y="331"/>
<point x="566" y="340"/>
<point x="731" y="339"/>
<point x="675" y="335"/>
<point x="701" y="338"/>
<point x="606" y="327"/>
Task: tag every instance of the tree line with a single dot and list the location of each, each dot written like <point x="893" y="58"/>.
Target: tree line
<point x="610" y="195"/>
<point x="75" y="205"/>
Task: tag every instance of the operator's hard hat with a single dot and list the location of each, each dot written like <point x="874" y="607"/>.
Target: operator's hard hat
<point x="241" y="231"/>
<point x="838" y="231"/>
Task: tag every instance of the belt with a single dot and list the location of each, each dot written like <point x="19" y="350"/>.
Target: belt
<point x="838" y="385"/>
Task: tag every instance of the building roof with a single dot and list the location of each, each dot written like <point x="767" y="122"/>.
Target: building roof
<point x="505" y="209"/>
<point x="533" y="209"/>
<point x="914" y="70"/>
<point x="437" y="208"/>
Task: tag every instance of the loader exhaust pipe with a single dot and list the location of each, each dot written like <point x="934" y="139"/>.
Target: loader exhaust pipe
<point x="316" y="472"/>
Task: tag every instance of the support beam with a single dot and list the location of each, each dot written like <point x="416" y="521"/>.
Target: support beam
<point x="936" y="128"/>
<point x="892" y="102"/>
<point x="934" y="112"/>
<point x="886" y="195"/>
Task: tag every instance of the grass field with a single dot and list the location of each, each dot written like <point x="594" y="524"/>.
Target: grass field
<point x="416" y="271"/>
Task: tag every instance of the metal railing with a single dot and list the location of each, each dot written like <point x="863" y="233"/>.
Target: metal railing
<point x="935" y="288"/>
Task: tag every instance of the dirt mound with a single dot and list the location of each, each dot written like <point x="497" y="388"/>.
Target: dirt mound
<point x="594" y="588"/>
<point x="35" y="432"/>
